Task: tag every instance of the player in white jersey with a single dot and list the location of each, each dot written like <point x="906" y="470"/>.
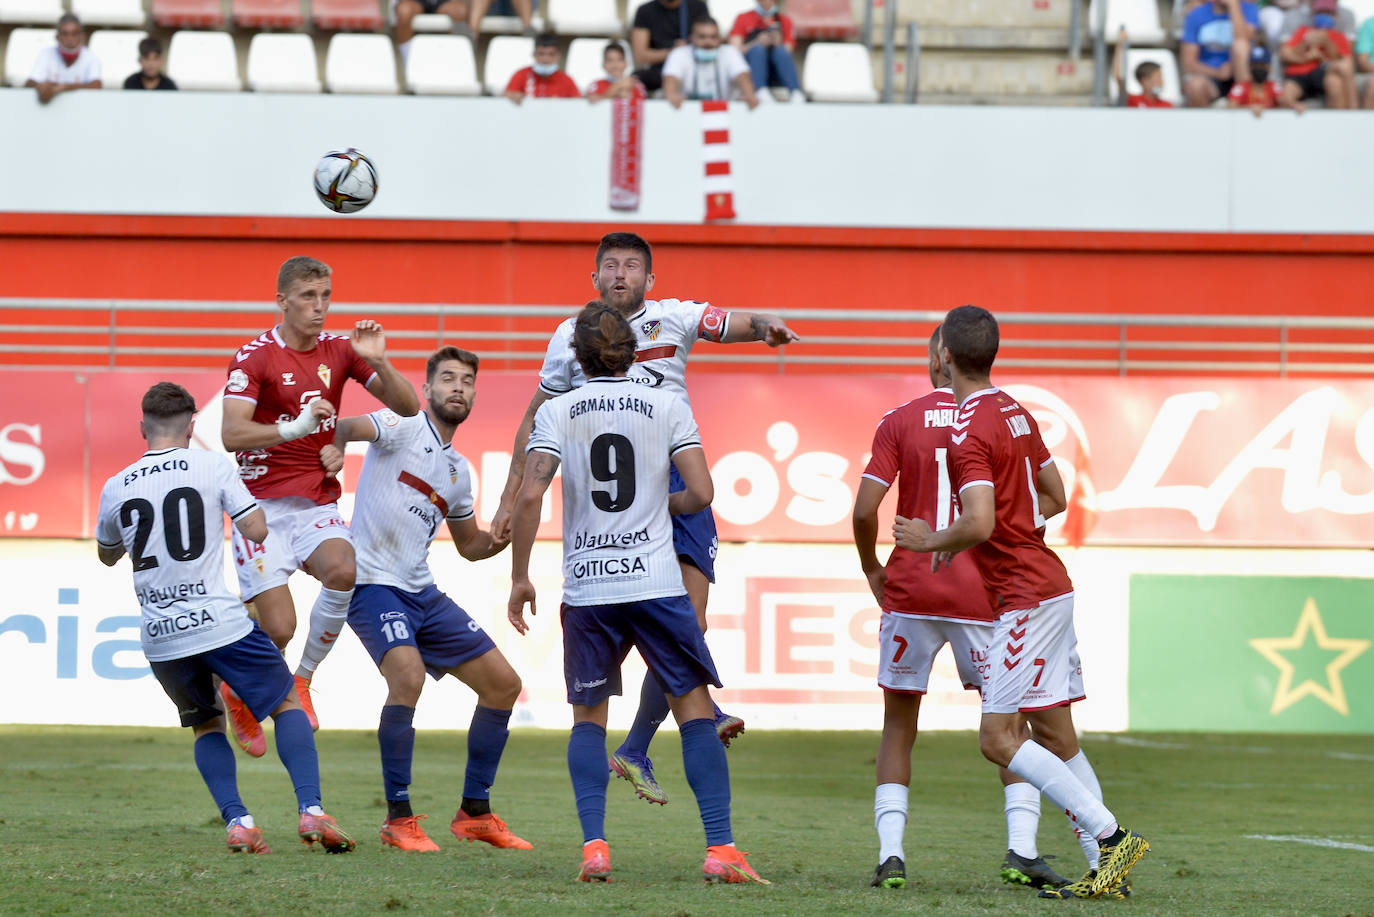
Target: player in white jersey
<point x="665" y="331"/>
<point x="412" y="479"/>
<point x="621" y="582"/>
<point x="167" y="511"/>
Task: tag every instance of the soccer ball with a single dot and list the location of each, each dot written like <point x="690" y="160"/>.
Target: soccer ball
<point x="346" y="181"/>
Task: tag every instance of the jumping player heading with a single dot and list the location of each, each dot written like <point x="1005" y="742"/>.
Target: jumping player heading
<point x="665" y="331"/>
<point x="284" y="392"/>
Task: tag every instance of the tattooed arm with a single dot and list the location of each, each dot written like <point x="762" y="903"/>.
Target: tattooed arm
<point x="757" y="326"/>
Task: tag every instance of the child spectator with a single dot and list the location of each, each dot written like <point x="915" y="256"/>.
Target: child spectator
<point x="69" y="64"/>
<point x="764" y="36"/>
<point x="705" y="70"/>
<point x="1148" y="74"/>
<point x="149" y="75"/>
<point x="617" y="81"/>
<point x="1259" y="92"/>
<point x="1215" y="48"/>
<point x="544" y="79"/>
<point x="1318" y="61"/>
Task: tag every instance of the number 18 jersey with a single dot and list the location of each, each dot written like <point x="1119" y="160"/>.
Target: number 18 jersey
<point x="615" y="440"/>
<point x="167" y="509"/>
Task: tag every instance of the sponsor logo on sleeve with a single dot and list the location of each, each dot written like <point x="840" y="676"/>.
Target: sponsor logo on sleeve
<point x="238" y="381"/>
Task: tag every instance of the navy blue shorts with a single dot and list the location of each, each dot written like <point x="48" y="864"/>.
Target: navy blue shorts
<point x="694" y="534"/>
<point x="597" y="638"/>
<point x="445" y="635"/>
<point x="252" y="666"/>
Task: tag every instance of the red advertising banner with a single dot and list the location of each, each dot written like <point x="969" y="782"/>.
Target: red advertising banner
<point x="1186" y="461"/>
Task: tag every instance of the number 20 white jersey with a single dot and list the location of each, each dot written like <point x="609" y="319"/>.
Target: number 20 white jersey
<point x="168" y="509"/>
<point x="615" y="440"/>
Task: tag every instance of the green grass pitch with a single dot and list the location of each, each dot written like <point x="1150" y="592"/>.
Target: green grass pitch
<point x="116" y="821"/>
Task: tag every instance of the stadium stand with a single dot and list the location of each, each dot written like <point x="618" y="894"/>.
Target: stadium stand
<point x="1140" y="18"/>
<point x="583" y="60"/>
<point x="1168" y="64"/>
<point x="442" y="65"/>
<point x="510" y="25"/>
<point x="124" y="13"/>
<point x="435" y="23"/>
<point x="31" y="12"/>
<point x="360" y="63"/>
<point x="725" y="12"/>
<point x="188" y="14"/>
<point x="118" y="53"/>
<point x="822" y="20"/>
<point x="586" y="17"/>
<point x="838" y="72"/>
<point x="22" y="51"/>
<point x="346" y="15"/>
<point x="204" y="60"/>
<point x="267" y="14"/>
<point x="505" y="55"/>
<point x="282" y="63"/>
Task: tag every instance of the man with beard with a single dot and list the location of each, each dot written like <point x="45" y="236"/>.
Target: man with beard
<point x="411" y="479"/>
<point x="665" y="331"/>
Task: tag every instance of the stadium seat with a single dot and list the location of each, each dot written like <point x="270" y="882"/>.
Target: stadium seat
<point x="266" y="14"/>
<point x="1173" y="90"/>
<point x="118" y="53"/>
<point x="1140" y="17"/>
<point x="509" y="25"/>
<point x="197" y="14"/>
<point x="827" y="20"/>
<point x="22" y="51"/>
<point x="32" y="11"/>
<point x="283" y="63"/>
<point x="438" y="23"/>
<point x="345" y="15"/>
<point x="442" y="65"/>
<point x="726" y="11"/>
<point x="505" y="55"/>
<point x="361" y="63"/>
<point x="127" y="13"/>
<point x="204" y="60"/>
<point x="585" y="17"/>
<point x="583" y="62"/>
<point x="838" y="72"/>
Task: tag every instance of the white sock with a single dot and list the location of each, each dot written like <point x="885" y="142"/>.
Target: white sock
<point x="245" y="820"/>
<point x="889" y="817"/>
<point x="327" y="620"/>
<point x="1086" y="776"/>
<point x="1039" y="767"/>
<point x="1022" y="808"/>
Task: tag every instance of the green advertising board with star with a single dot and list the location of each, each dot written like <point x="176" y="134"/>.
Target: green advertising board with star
<point x="1252" y="653"/>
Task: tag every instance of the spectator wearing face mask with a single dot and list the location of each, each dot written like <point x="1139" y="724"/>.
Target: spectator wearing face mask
<point x="706" y="69"/>
<point x="617" y="81"/>
<point x="1148" y="74"/>
<point x="1318" y="62"/>
<point x="1300" y="13"/>
<point x="1215" y="49"/>
<point x="764" y="36"/>
<point x="1258" y="93"/>
<point x="659" y="27"/>
<point x="69" y="64"/>
<point x="543" y="79"/>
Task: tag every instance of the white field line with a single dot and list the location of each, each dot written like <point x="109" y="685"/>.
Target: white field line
<point x="1183" y="746"/>
<point x="1312" y="841"/>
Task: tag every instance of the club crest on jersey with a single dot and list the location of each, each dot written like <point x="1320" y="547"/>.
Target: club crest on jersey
<point x="323" y="372"/>
<point x="452" y="474"/>
<point x="289" y="379"/>
<point x="651" y="329"/>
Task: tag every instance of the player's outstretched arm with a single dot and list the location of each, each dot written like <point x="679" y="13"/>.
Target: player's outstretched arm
<point x="239" y="432"/>
<point x="743" y="327"/>
<point x="539" y="471"/>
<point x="473" y="543"/>
<point x="865" y="521"/>
<point x="1050" y="488"/>
<point x="699" y="490"/>
<point x="253" y="526"/>
<point x="501" y="521"/>
<point x="388" y="386"/>
<point x="350" y="429"/>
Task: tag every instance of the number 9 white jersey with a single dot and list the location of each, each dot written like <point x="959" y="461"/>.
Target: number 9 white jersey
<point x="615" y="440"/>
<point x="167" y="509"/>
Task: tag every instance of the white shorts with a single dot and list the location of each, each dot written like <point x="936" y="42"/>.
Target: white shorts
<point x="1034" y="660"/>
<point x="295" y="528"/>
<point x="907" y="647"/>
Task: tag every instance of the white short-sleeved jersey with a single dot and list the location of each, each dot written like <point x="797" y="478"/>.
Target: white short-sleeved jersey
<point x="167" y="509"/>
<point x="615" y="440"/>
<point x="49" y="67"/>
<point x="410" y="483"/>
<point x="665" y="330"/>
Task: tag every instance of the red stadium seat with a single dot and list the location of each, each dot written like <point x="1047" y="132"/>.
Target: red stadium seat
<point x="192" y="13"/>
<point x="266" y="14"/>
<point x="822" y="19"/>
<point x="350" y="15"/>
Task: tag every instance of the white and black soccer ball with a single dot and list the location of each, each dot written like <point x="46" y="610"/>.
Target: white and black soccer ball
<point x="345" y="180"/>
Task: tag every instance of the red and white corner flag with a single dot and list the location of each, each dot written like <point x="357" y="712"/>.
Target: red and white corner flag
<point x="720" y="185"/>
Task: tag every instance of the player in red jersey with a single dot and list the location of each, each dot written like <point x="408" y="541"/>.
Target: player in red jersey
<point x="1007" y="485"/>
<point x="922" y="611"/>
<point x="281" y="403"/>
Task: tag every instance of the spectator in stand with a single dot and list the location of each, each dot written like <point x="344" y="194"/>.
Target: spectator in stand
<point x="457" y="10"/>
<point x="706" y="69"/>
<point x="544" y="79"/>
<point x="617" y="80"/>
<point x="659" y="27"/>
<point x="1148" y="74"/>
<point x="1258" y="93"/>
<point x="69" y="64"/>
<point x="1271" y="16"/>
<point x="149" y="75"/>
<point x="1364" y="61"/>
<point x="764" y="36"/>
<point x="1216" y="48"/>
<point x="1318" y="62"/>
<point x="1300" y="14"/>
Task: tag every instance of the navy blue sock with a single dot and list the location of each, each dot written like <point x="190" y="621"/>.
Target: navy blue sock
<point x="397" y="740"/>
<point x="587" y="765"/>
<point x="486" y="741"/>
<point x="215" y="761"/>
<point x="296" y="748"/>
<point x="708" y="773"/>
<point x="716" y="707"/>
<point x="653" y="710"/>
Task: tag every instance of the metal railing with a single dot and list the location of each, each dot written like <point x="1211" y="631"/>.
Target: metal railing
<point x="114" y="334"/>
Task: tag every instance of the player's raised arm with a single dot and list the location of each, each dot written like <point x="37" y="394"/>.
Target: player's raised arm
<point x="539" y="471"/>
<point x="865" y="522"/>
<point x="742" y="327"/>
<point x="699" y="490"/>
<point x="240" y="432"/>
<point x="501" y="522"/>
<point x="388" y="386"/>
<point x="473" y="543"/>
